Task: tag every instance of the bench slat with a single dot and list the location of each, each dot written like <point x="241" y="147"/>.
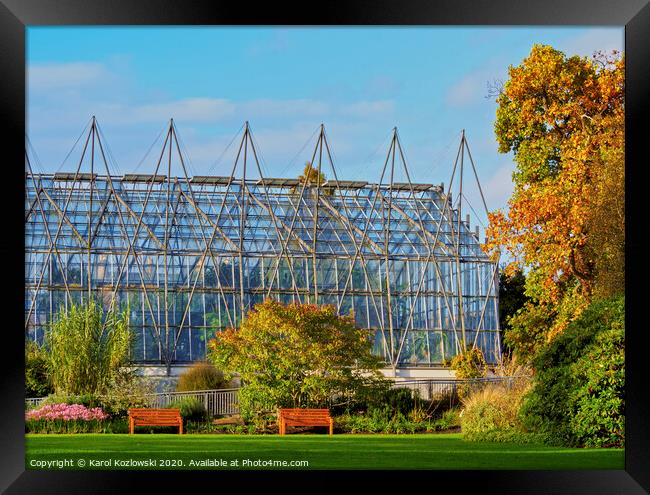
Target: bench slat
<point x="155" y="415"/>
<point x="307" y="423"/>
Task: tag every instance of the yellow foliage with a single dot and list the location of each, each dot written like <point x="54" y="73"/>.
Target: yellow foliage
<point x="563" y="118"/>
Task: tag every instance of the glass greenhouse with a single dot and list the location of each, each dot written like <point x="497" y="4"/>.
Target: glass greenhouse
<point x="189" y="254"/>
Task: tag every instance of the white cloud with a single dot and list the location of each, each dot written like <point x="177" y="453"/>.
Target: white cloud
<point x="605" y="39"/>
<point x="65" y="75"/>
<point x="188" y="109"/>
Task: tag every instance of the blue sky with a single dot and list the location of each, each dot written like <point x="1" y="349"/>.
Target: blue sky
<point x="430" y="82"/>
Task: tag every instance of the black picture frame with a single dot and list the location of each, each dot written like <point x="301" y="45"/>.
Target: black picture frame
<point x="15" y="15"/>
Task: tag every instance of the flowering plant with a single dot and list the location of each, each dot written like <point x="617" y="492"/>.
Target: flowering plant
<point x="66" y="412"/>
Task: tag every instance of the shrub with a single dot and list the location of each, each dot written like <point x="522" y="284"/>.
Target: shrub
<point x="386" y="401"/>
<point x="493" y="412"/>
<point x="201" y="376"/>
<point x="376" y="422"/>
<point x="393" y="402"/>
<point x="126" y="390"/>
<point x="599" y="420"/>
<point x="37" y="380"/>
<point x="450" y="419"/>
<point x="578" y="395"/>
<point x="192" y="409"/>
<point x="469" y="364"/>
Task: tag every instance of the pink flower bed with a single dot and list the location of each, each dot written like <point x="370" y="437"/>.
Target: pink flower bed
<point x="67" y="412"/>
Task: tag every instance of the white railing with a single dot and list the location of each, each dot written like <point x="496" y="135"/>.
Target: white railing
<point x="29" y="403"/>
<point x="435" y="389"/>
<point x="216" y="402"/>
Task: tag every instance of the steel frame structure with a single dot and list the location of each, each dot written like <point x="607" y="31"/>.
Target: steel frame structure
<point x="189" y="254"/>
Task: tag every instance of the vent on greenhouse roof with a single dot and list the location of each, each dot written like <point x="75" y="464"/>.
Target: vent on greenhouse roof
<point x="405" y="186"/>
<point x="211" y="179"/>
<point x="73" y="176"/>
<point x="346" y="184"/>
<point x="144" y="178"/>
<point x="273" y="182"/>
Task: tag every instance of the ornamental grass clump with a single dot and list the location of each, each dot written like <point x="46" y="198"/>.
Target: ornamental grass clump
<point x="202" y="375"/>
<point x="86" y="348"/>
<point x="491" y="414"/>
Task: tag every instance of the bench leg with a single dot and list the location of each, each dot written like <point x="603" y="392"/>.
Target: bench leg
<point x="331" y="426"/>
<point x="131" y="427"/>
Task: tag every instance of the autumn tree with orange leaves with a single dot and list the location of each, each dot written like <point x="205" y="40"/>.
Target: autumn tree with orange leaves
<point x="563" y="120"/>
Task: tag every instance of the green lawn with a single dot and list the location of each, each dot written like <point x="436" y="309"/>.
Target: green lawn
<point x="433" y="451"/>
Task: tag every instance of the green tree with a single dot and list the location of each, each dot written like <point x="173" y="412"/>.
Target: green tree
<point x="296" y="355"/>
<point x="87" y="349"/>
<point x="512" y="297"/>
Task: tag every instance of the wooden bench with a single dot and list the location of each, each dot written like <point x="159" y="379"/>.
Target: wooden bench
<point x="155" y="417"/>
<point x="304" y="417"/>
